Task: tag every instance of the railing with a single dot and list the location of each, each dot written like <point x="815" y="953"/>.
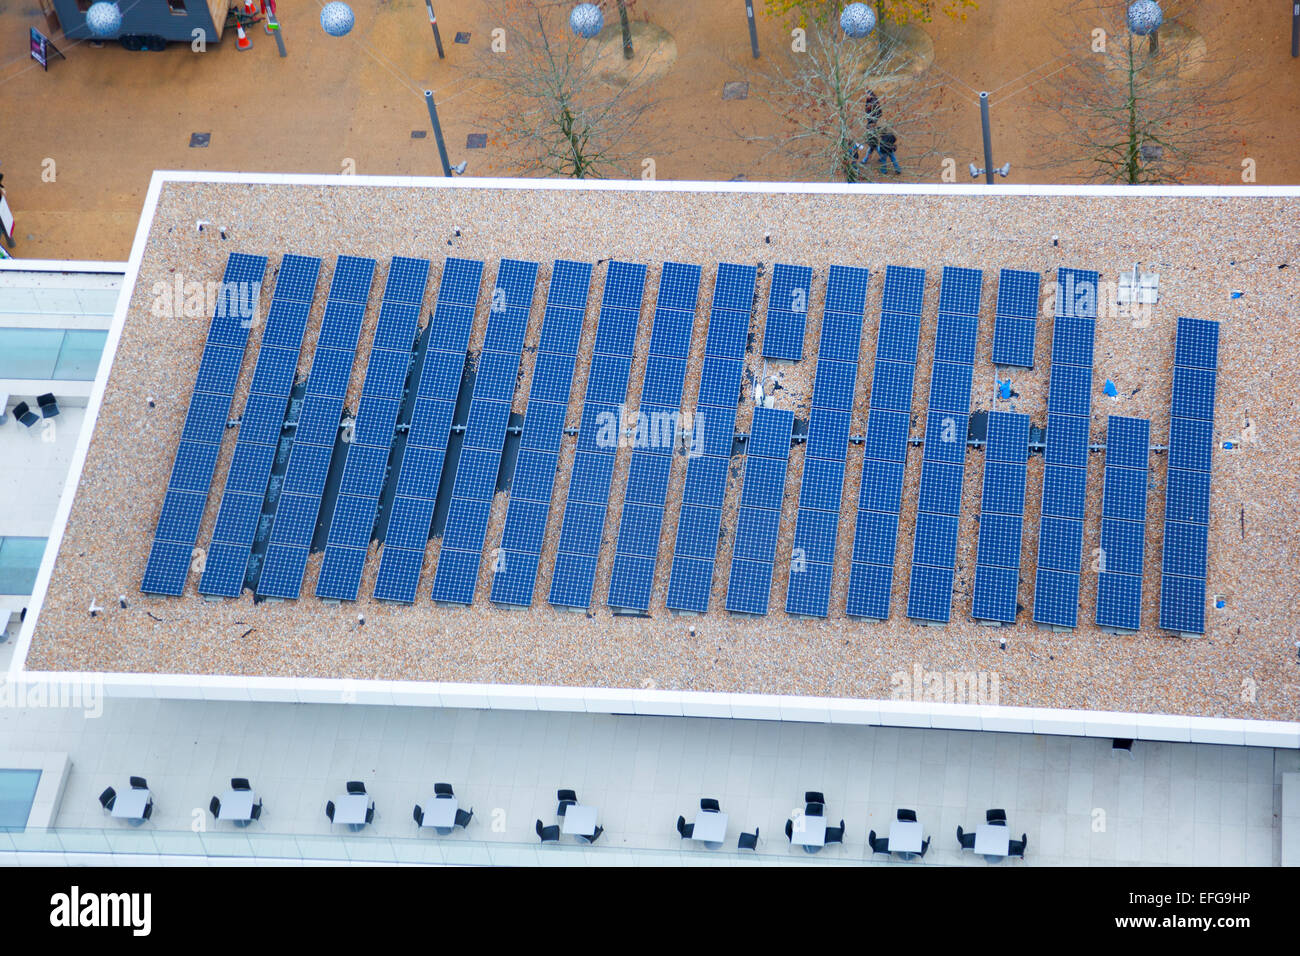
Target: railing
<point x="426" y="850"/>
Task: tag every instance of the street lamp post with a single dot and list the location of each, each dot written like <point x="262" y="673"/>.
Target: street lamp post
<point x="437" y="133"/>
<point x="433" y="22"/>
<point x="988" y="169"/>
<point x="753" y="28"/>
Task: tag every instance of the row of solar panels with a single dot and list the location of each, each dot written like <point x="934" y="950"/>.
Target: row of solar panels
<point x="405" y="417"/>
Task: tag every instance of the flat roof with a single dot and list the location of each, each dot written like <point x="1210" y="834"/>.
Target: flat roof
<point x="1205" y="244"/>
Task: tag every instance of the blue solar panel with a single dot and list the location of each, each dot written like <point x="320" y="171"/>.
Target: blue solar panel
<point x="899" y="337"/>
<point x="1187" y="499"/>
<point x="960" y="291"/>
<point x="1015" y="328"/>
<point x="997" y="562"/>
<point x="787" y="312"/>
<point x="205" y="420"/>
<point x="691" y="581"/>
<point x="1018" y="293"/>
<point x="1069" y="390"/>
<point x="607" y="382"/>
<point x="1076" y="293"/>
<point x="904" y="290"/>
<point x="891" y="386"/>
<point x="632" y="581"/>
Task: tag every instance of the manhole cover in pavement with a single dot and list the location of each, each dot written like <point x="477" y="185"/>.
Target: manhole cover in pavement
<point x="198" y="140"/>
<point x="462" y="37"/>
<point x="419" y="133"/>
<point x="735" y="90"/>
<point x="476" y="141"/>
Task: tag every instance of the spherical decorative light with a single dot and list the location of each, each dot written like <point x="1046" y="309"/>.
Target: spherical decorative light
<point x="858" y="20"/>
<point x="337" y="19"/>
<point x="104" y="19"/>
<point x="1145" y="17"/>
<point x="586" y="20"/>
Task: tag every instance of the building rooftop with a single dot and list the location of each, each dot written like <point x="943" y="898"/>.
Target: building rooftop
<point x="1206" y="245"/>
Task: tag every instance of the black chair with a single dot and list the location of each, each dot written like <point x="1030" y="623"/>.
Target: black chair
<point x="567" y="799"/>
<point x="967" y="840"/>
<point x="443" y="790"/>
<point x="49" y="406"/>
<point x="812" y="796"/>
<point x="815" y="810"/>
<point x="418" y="813"/>
<point x="877" y="845"/>
<point x="1017" y="847"/>
<point x="239" y="783"/>
<point x="748" y="841"/>
<point x="684" y="829"/>
<point x="463" y="817"/>
<point x="594" y="837"/>
<point x="23" y="412"/>
<point x="256" y="813"/>
<point x="107" y="799"/>
<point x="708" y="803"/>
<point x="329" y="810"/>
<point x="548" y="834"/>
<point x="370" y="813"/>
<point x="214" y="808"/>
<point x="356" y="786"/>
<point x="148" y="811"/>
<point x="907" y="815"/>
<point x="139" y="783"/>
<point x="996" y="817"/>
<point x="789" y="830"/>
<point x="835" y="834"/>
<point x="925" y="845"/>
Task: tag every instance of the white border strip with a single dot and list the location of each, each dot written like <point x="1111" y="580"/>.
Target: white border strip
<point x="64" y="265"/>
<point x="1082" y="723"/>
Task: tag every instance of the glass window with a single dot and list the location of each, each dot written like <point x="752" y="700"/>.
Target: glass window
<point x="29" y="353"/>
<point x="177" y="7"/>
<point x="20" y="559"/>
<point x="17" y="794"/>
<point x="79" y="357"/>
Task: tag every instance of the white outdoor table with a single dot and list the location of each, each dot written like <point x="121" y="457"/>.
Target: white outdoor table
<point x="710" y="827"/>
<point x="440" y="812"/>
<point x="904" y="837"/>
<point x="130" y="804"/>
<point x="236" y="805"/>
<point x="351" y="808"/>
<point x="991" y="840"/>
<point x="579" y="820"/>
<point x="812" y="833"/>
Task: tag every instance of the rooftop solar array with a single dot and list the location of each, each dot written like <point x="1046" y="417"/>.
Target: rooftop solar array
<point x="1002" y="518"/>
<point x="260" y="427"/>
<point x="871" y="579"/>
<point x="943" y="466"/>
<point x="598" y="436"/>
<point x="294" y="523"/>
<point x="713" y="431"/>
<point x="485" y="433"/>
<point x="821" y="487"/>
<point x="1123" y="523"/>
<point x="383" y="392"/>
<point x="652" y="454"/>
<point x="420" y="470"/>
<point x="1065" y="473"/>
<point x="759" y="522"/>
<point x="515" y="572"/>
<point x="787" y="312"/>
<point x="1187" y="496"/>
<point x="1015" y="327"/>
<point x="205" y="425"/>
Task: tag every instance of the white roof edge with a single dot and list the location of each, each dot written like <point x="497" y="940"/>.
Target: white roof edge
<point x="64" y="265"/>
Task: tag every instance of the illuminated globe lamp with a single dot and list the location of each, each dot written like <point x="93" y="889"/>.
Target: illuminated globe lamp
<point x="104" y="19"/>
<point x="1144" y="19"/>
<point x="586" y="20"/>
<point x="857" y="20"/>
<point x="337" y="19"/>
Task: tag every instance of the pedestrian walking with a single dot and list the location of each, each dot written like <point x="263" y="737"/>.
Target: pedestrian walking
<point x="887" y="147"/>
<point x="871" y="106"/>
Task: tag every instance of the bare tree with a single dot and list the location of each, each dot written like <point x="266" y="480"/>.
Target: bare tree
<point x="567" y="112"/>
<point x="1136" y="111"/>
<point x="841" y="97"/>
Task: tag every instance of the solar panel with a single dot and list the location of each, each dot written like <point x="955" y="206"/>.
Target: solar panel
<point x="1002" y="517"/>
<point x="1056" y="587"/>
<point x="177" y="530"/>
<point x="294" y="521"/>
<point x="261" y="425"/>
<point x="1187" y="498"/>
<point x="787" y="312"/>
<point x="871" y="577"/>
<point x="366" y="466"/>
<point x="418" y="471"/>
<point x="690" y="582"/>
<point x="632" y="581"/>
<point x="600" y="434"/>
<point x="1015" y="328"/>
<point x="1123" y="524"/>
<point x="934" y="546"/>
<point x="759" y="520"/>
